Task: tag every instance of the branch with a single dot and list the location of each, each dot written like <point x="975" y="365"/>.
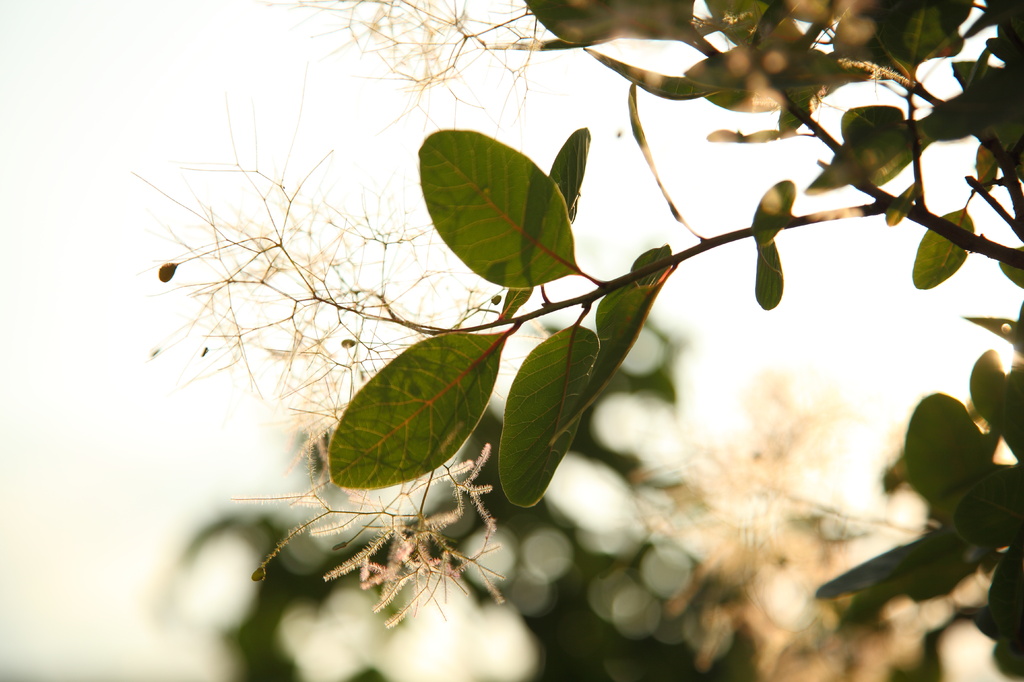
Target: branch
<point x="671" y="262"/>
<point x="1010" y="181"/>
<point x="983" y="192"/>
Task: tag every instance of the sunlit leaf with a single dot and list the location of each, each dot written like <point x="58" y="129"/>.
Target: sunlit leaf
<point x="985" y="165"/>
<point x="992" y="511"/>
<point x="514" y="300"/>
<point x="945" y="453"/>
<point x="1006" y="593"/>
<point x="901" y="206"/>
<point x="500" y="213"/>
<point x="569" y="167"/>
<point x="415" y="414"/>
<point x="768" y="282"/>
<point x="937" y="257"/>
<point x="988" y="384"/>
<point x="540" y="419"/>
<point x="774" y="212"/>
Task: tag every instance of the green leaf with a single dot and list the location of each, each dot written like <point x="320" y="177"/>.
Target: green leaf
<point x="415" y="414"/>
<point x="514" y="300"/>
<point x="945" y="453"/>
<point x="991" y="512"/>
<point x="877" y="145"/>
<point x="988" y="384"/>
<point x="993" y="99"/>
<point x="900" y="208"/>
<point x="1000" y="326"/>
<point x="660" y="85"/>
<point x="901" y="561"/>
<point x="918" y="30"/>
<point x="774" y="212"/>
<point x="569" y="167"/>
<point x="587" y="23"/>
<point x="1015" y="275"/>
<point x="768" y="282"/>
<point x="1006" y="593"/>
<point x="743" y="68"/>
<point x="645" y="259"/>
<point x="937" y="257"/>
<point x="500" y="214"/>
<point x="1013" y="406"/>
<point x="641" y="141"/>
<point x="536" y="433"/>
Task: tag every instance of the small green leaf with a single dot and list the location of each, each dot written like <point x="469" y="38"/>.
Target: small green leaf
<point x="569" y="167"/>
<point x="536" y="433"/>
<point x="514" y="300"/>
<point x="992" y="511"/>
<point x="945" y="453"/>
<point x="1015" y="275"/>
<point x="1006" y="593"/>
<point x="415" y="414"/>
<point x="988" y="384"/>
<point x="660" y="85"/>
<point x="937" y="257"/>
<point x="259" y="574"/>
<point x="641" y="140"/>
<point x="900" y="208"/>
<point x="985" y="165"/>
<point x="774" y="212"/>
<point x="500" y="213"/>
<point x="648" y="257"/>
<point x="768" y="282"/>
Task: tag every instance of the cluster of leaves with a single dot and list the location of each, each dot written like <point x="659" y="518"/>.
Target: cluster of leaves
<point x="511" y="224"/>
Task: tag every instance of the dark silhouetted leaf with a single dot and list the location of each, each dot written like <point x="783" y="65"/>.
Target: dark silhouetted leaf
<point x="993" y="99"/>
<point x="570" y="166"/>
<point x="540" y="419"/>
<point x="1000" y="326"/>
<point x="1006" y="593"/>
<point x="992" y="511"/>
<point x="937" y="257"/>
<point x="500" y="214"/>
<point x="415" y="414"/>
<point x="166" y="271"/>
<point x="876" y="147"/>
<point x="918" y="30"/>
<point x="945" y="453"/>
<point x="1013" y="406"/>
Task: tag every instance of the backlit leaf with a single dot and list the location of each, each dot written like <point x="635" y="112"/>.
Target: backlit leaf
<point x="993" y="99"/>
<point x="415" y="414"/>
<point x="900" y="208"/>
<point x="768" y="282"/>
<point x="917" y="30"/>
<point x="500" y="213"/>
<point x="569" y="167"/>
<point x="641" y="141"/>
<point x="937" y="257"/>
<point x="666" y="87"/>
<point x="1015" y="275"/>
<point x="514" y="300"/>
<point x="774" y="212"/>
<point x="988" y="384"/>
<point x="540" y="419"/>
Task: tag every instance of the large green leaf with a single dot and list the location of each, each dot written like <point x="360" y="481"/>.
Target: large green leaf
<point x="1006" y="593"/>
<point x="945" y="453"/>
<point x="898" y="562"/>
<point x="774" y="212"/>
<point x="991" y="512"/>
<point x="917" y="30"/>
<point x="937" y="257"/>
<point x="500" y="213"/>
<point x="569" y="167"/>
<point x="768" y="282"/>
<point x="414" y="414"/>
<point x="666" y="87"/>
<point x="535" y="434"/>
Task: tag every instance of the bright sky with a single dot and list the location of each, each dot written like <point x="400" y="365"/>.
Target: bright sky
<point x="110" y="462"/>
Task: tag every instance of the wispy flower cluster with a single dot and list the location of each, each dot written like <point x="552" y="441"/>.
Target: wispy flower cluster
<point x="408" y="550"/>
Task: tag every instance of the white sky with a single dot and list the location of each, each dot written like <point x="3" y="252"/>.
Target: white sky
<point x="109" y="462"/>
